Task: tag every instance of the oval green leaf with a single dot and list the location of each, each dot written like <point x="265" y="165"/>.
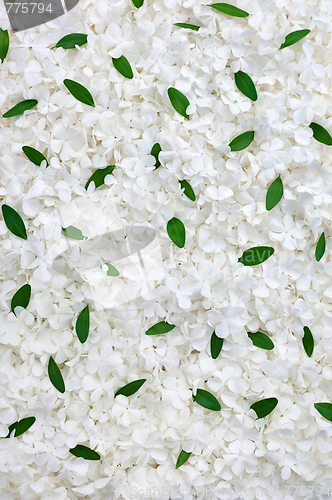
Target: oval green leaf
<point x="83" y="325"/>
<point x="156" y="148"/>
<point x="294" y="37"/>
<point x="274" y="193"/>
<point x="82" y="451"/>
<point x="320" y="247"/>
<point x="21" y="426"/>
<point x="230" y="10"/>
<point x="72" y="232"/>
<point x="256" y="255"/>
<point x="242" y="141"/>
<point x="98" y="177"/>
<point x="138" y="3"/>
<point x="207" y="400"/>
<point x="182" y="458"/>
<point x="260" y="339"/>
<point x="79" y="92"/>
<point x="122" y="65"/>
<point x="55" y="376"/>
<point x="14" y="222"/>
<point x="321" y="134"/>
<point x="178" y="101"/>
<point x="70" y="41"/>
<point x="264" y="407"/>
<point x="112" y="271"/>
<point x="159" y="328"/>
<point x="21" y="298"/>
<point x="215" y="345"/>
<point x="131" y="388"/>
<point x="325" y="409"/>
<point x="188" y="26"/>
<point x="19" y="108"/>
<point x="188" y="190"/>
<point x="4" y="44"/>
<point x="177" y="232"/>
<point x="245" y="85"/>
<point x="35" y="156"/>
<point x="308" y="341"/>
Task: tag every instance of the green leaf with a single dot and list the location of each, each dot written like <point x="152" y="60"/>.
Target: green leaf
<point x="274" y="193"/>
<point x="321" y="134"/>
<point x="55" y="376"/>
<point x="215" y="345"/>
<point x="35" y="156"/>
<point x="21" y="297"/>
<point x="245" y="85"/>
<point x="294" y="37"/>
<point x="207" y="400"/>
<point x="14" y="222"/>
<point x="320" y="247"/>
<point x="228" y="9"/>
<point x="70" y="41"/>
<point x="260" y="339"/>
<point x="156" y="148"/>
<point x="79" y="92"/>
<point x="242" y="141"/>
<point x="256" y="255"/>
<point x="182" y="458"/>
<point x="112" y="271"/>
<point x="178" y="101"/>
<point x="159" y="328"/>
<point x="98" y="177"/>
<point x="188" y="26"/>
<point x="19" y="108"/>
<point x="131" y="388"/>
<point x="138" y="3"/>
<point x="122" y="65"/>
<point x="188" y="190"/>
<point x="82" y="451"/>
<point x="4" y="44"/>
<point x="72" y="232"/>
<point x="177" y="232"/>
<point x="264" y="406"/>
<point x="325" y="409"/>
<point x="83" y="325"/>
<point x="308" y="341"/>
<point x="21" y="426"/>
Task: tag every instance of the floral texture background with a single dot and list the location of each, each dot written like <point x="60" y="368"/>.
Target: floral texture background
<point x="200" y="288"/>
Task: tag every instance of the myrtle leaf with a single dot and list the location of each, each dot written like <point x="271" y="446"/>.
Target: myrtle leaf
<point x="21" y="426"/>
<point x="320" y="247"/>
<point x="215" y="345"/>
<point x="55" y="375"/>
<point x="256" y="255"/>
<point x="131" y="388"/>
<point x="294" y="37"/>
<point x="70" y="41"/>
<point x="82" y="451"/>
<point x="260" y="339"/>
<point x="35" y="156"/>
<point x="274" y="193"/>
<point x="264" y="407"/>
<point x="98" y="177"/>
<point x="325" y="409"/>
<point x="122" y="65"/>
<point x="4" y="44"/>
<point x="188" y="26"/>
<point x="230" y="10"/>
<point x="72" y="232"/>
<point x="182" y="458"/>
<point x="177" y="232"/>
<point x="245" y="85"/>
<point x="21" y="298"/>
<point x="308" y="341"/>
<point x="79" y="92"/>
<point x="19" y="108"/>
<point x="14" y="222"/>
<point x="207" y="400"/>
<point x="188" y="190"/>
<point x="156" y="148"/>
<point x="159" y="328"/>
<point x="83" y="325"/>
<point x="242" y="141"/>
<point x="321" y="134"/>
<point x="112" y="271"/>
<point x="178" y="101"/>
<point x="138" y="3"/>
